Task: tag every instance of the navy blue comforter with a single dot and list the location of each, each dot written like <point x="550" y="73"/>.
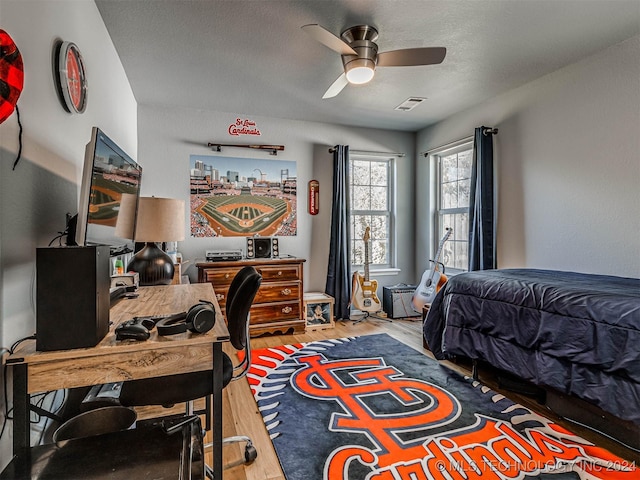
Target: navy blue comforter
<point x="577" y="333"/>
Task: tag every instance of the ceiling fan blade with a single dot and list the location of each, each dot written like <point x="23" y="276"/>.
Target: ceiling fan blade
<point x="328" y="39"/>
<point x="412" y="56"/>
<point x="336" y="87"/>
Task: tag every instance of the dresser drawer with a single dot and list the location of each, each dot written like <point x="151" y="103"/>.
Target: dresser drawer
<point x="278" y="292"/>
<point x="275" y="312"/>
<point x="278" y="273"/>
<point x="269" y="292"/>
<point x="220" y="277"/>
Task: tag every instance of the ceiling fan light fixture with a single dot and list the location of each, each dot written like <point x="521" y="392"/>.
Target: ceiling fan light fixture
<point x="360" y="75"/>
<point x="360" y="71"/>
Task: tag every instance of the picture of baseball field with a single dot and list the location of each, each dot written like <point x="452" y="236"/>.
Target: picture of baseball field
<point x="241" y="197"/>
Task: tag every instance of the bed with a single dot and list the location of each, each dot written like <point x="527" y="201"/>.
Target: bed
<point x="578" y="334"/>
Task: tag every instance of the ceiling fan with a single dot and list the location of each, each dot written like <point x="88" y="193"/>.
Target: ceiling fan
<point x="360" y="55"/>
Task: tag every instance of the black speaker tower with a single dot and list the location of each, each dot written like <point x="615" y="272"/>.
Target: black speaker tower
<point x="72" y="290"/>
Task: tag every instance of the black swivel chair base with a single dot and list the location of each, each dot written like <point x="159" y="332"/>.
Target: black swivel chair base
<point x="250" y="453"/>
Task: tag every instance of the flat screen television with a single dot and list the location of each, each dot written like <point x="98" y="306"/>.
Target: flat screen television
<point x="109" y="196"/>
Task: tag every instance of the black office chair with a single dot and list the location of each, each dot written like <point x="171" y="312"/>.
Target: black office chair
<point x="172" y="389"/>
<point x="238" y="279"/>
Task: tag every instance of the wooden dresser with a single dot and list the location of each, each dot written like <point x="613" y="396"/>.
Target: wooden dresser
<point x="278" y="306"/>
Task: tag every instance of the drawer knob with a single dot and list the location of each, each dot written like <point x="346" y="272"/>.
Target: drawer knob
<point x="286" y="291"/>
<point x="219" y="296"/>
<point x="227" y="275"/>
<point x="279" y="273"/>
<point x="287" y="309"/>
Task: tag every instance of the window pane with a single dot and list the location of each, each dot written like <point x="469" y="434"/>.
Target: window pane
<point x="361" y="197"/>
<point x="378" y="198"/>
<point x="360" y="173"/>
<point x="379" y="227"/>
<point x="446" y="221"/>
<point x="378" y="252"/>
<point x="464" y="163"/>
<point x="461" y="255"/>
<point x="449" y="168"/>
<point x="461" y="228"/>
<point x="449" y="198"/>
<point x="379" y="173"/>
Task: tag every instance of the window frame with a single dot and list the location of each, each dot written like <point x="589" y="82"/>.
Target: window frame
<point x="389" y="213"/>
<point x="465" y="144"/>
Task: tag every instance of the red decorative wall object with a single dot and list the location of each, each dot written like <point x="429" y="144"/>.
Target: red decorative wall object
<point x="314" y="197"/>
<point x="11" y="75"/>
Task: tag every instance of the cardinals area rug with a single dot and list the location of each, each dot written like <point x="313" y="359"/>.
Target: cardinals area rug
<point x="373" y="408"/>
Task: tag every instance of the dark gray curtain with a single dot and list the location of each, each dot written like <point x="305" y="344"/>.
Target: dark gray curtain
<point x="482" y="251"/>
<point x="338" y="284"/>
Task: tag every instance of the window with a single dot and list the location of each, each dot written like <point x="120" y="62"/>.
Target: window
<point x="452" y="204"/>
<point x="370" y="197"/>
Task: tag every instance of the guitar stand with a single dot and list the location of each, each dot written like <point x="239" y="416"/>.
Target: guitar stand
<point x="371" y="315"/>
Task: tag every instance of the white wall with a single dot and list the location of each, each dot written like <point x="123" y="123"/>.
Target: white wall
<point x="568" y="165"/>
<point x="44" y="186"/>
<point x="168" y="136"/>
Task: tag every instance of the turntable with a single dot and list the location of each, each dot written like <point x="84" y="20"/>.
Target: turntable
<point x="223" y="255"/>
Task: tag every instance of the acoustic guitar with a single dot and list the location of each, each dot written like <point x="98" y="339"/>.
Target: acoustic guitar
<point x="432" y="280"/>
<point x="364" y="295"/>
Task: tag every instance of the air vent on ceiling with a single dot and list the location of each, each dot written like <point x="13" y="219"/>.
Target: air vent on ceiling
<point x="410" y="104"/>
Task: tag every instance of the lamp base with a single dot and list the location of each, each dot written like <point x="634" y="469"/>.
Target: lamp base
<point x="153" y="265"/>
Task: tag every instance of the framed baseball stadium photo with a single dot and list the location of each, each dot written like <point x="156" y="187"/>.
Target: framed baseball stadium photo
<point x="242" y="197"/>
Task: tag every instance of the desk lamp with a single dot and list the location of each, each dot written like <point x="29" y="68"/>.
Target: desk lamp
<point x="158" y="220"/>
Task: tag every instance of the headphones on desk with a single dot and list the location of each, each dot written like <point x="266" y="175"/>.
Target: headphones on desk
<point x="200" y="318"/>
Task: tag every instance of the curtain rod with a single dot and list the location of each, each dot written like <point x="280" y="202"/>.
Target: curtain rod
<point x="379" y="154"/>
<point x="447" y="145"/>
<point x="486" y="131"/>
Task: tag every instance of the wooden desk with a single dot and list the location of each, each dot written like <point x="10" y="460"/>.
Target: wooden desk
<point x="114" y="361"/>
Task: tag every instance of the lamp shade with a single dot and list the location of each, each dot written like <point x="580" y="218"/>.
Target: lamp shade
<point x="160" y="220"/>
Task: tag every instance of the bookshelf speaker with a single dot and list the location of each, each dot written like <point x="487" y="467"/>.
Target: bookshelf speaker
<point x="72" y="297"/>
<point x="262" y="247"/>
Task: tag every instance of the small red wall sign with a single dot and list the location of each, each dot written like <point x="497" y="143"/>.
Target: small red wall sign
<point x="314" y="197"/>
<point x="243" y="126"/>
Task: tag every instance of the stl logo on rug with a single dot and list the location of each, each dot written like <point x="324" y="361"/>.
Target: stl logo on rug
<point x="336" y="410"/>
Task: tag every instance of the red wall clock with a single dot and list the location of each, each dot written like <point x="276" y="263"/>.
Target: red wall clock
<point x="71" y="77"/>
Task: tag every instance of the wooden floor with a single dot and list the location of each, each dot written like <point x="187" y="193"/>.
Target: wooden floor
<point x="241" y="416"/>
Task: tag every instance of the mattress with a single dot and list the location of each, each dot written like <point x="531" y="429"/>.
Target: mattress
<point x="578" y="333"/>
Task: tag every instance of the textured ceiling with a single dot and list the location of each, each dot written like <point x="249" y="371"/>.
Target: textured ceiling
<point x="251" y="57"/>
